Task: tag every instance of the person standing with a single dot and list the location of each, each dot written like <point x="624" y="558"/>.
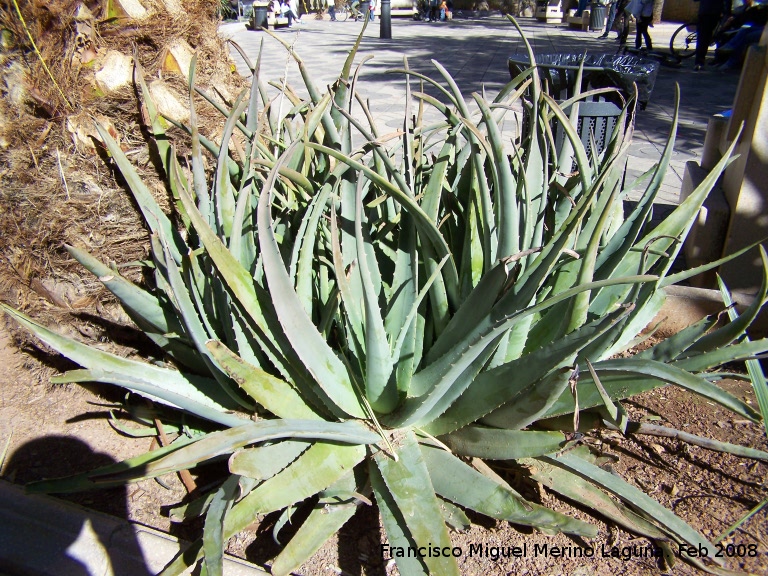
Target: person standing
<point x="710" y="13"/>
<point x="372" y="10"/>
<point x="644" y="15"/>
<point x="433" y="4"/>
<point x="611" y="18"/>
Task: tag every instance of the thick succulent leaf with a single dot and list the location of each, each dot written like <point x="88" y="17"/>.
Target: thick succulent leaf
<point x="670" y="348"/>
<point x="743" y="350"/>
<point x="302" y="259"/>
<point x="454" y="517"/>
<point x="193" y="324"/>
<point x="493" y="388"/>
<point x="506" y="193"/>
<point x="83" y="482"/>
<point x="380" y="387"/>
<point x="237" y="278"/>
<point x="353" y="313"/>
<point x="400" y="326"/>
<point x="682" y="378"/>
<point x="427" y="229"/>
<point x="615" y="412"/>
<point x="579" y="306"/>
<point x="496" y="444"/>
<point x="158" y="322"/>
<point x="526" y="408"/>
<point x="227" y="441"/>
<point x="325" y="520"/>
<point x="242" y="243"/>
<point x="621" y="242"/>
<point x="137" y="302"/>
<point x="460" y="483"/>
<point x="199" y="391"/>
<point x="477" y="305"/>
<point x="408" y="481"/>
<point x="648" y="304"/>
<point x="272" y="393"/>
<point x="580" y="154"/>
<point x="621" y="384"/>
<point x="663" y="239"/>
<point x="185" y="560"/>
<point x="679" y="277"/>
<point x="323" y="523"/>
<point x="396" y="528"/>
<point x="155" y="123"/>
<point x="738" y="324"/>
<point x="755" y="370"/>
<point x="524" y="291"/>
<point x="446" y="373"/>
<point x="668" y="521"/>
<point x="708" y="443"/>
<point x="263" y="462"/>
<point x="316" y="469"/>
<point x="223" y="193"/>
<point x="309" y="344"/>
<point x="151" y="391"/>
<point x="213" y="537"/>
<point x="250" y="296"/>
<point x="445" y="387"/>
<point x="576" y="488"/>
<point x="153" y="214"/>
<point x="405" y="347"/>
<point x="194" y="509"/>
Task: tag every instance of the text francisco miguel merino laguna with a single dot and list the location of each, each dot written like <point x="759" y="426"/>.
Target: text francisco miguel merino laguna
<point x="496" y="552"/>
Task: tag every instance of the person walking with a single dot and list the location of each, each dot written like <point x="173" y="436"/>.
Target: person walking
<point x="372" y="10"/>
<point x="622" y="15"/>
<point x="643" y="12"/>
<point x="710" y="14"/>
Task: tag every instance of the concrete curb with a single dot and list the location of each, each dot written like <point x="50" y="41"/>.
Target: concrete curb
<point x="43" y="536"/>
<point x="686" y="305"/>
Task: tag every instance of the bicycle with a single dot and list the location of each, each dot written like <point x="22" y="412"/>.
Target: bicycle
<point x="343" y="12"/>
<point x="683" y="41"/>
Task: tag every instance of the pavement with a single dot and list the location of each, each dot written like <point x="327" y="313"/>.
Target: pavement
<point x="475" y="50"/>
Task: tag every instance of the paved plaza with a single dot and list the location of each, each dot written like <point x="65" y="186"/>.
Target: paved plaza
<point x="475" y="52"/>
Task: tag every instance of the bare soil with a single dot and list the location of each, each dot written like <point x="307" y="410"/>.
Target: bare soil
<point x="57" y="430"/>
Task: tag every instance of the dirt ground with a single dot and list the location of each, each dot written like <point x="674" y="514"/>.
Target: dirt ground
<point x="56" y="430"/>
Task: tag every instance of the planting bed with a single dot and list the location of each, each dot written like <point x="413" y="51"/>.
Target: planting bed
<point x="57" y="430"/>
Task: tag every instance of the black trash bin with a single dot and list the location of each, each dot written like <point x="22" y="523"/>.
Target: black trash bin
<point x="364" y="6"/>
<point x="620" y="71"/>
<point x="259" y="15"/>
<point x="597" y="16"/>
<point x="599" y="114"/>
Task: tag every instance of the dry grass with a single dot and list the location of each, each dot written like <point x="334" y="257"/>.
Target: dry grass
<point x="53" y="189"/>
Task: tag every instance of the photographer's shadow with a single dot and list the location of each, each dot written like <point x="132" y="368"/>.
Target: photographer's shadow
<point x="44" y="536"/>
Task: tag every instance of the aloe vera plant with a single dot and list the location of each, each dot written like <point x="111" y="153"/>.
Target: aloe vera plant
<point x="378" y="319"/>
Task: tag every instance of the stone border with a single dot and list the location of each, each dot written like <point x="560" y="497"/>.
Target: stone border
<point x="44" y="536"/>
<point x="685" y="305"/>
